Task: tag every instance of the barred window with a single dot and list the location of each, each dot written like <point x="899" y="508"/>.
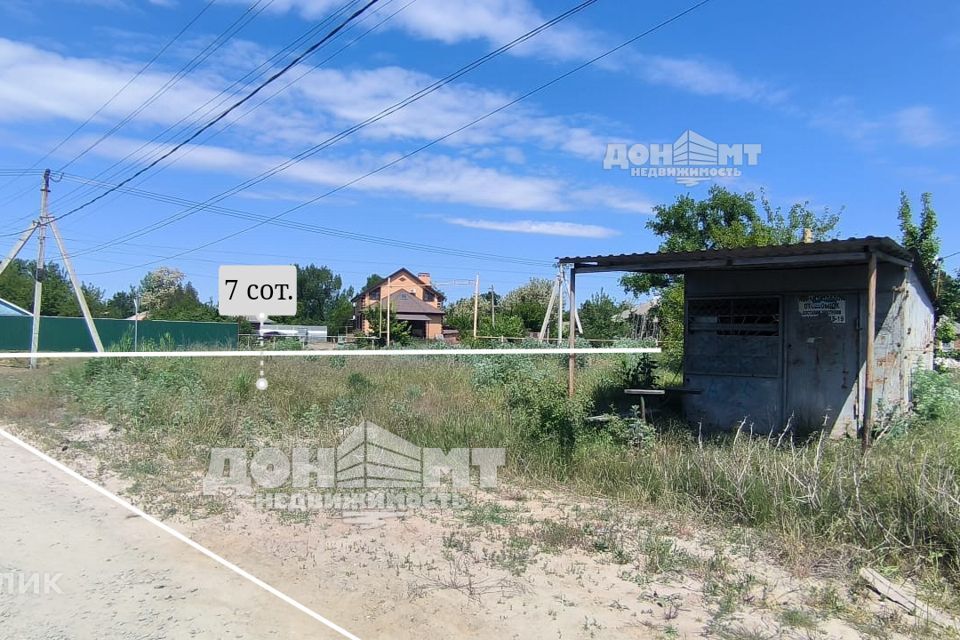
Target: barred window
<point x="734" y="317"/>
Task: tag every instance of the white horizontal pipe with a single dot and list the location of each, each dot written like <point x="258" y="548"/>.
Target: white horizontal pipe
<point x="325" y="353"/>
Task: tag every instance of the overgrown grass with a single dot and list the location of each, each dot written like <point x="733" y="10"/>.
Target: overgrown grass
<point x="898" y="506"/>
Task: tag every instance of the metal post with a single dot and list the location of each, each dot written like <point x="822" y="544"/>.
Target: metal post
<point x="867" y="432"/>
<point x="476" y="304"/>
<point x="136" y="321"/>
<point x="388" y="312"/>
<point x="572" y="359"/>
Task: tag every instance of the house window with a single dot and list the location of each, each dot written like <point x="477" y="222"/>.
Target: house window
<point x="404" y="295"/>
<point x="428" y="296"/>
<point x="374" y="294"/>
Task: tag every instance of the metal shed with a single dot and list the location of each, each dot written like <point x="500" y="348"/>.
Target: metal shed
<point x="816" y="335"/>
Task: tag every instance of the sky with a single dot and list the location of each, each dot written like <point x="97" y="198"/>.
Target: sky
<point x="850" y="103"/>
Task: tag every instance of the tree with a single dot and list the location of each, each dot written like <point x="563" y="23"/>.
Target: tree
<point x="158" y="286"/>
<point x="399" y="330"/>
<point x="59" y="299"/>
<point x="122" y="304"/>
<point x="923" y="238"/>
<point x="529" y="302"/>
<point x="340" y="315"/>
<point x="504" y="325"/>
<point x="322" y="300"/>
<point x="459" y="315"/>
<point x="723" y="220"/>
<point x="372" y="280"/>
<point x="165" y="297"/>
<point x="600" y="318"/>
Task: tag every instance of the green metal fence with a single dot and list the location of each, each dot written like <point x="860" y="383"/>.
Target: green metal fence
<point x="70" y="334"/>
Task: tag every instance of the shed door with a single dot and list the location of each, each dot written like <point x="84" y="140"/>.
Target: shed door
<point x="822" y="361"/>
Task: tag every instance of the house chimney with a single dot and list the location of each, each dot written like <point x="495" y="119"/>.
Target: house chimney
<point x="807" y="235"/>
<point x="425" y="277"/>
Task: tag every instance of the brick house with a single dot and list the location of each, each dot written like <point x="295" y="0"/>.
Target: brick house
<point x="412" y="298"/>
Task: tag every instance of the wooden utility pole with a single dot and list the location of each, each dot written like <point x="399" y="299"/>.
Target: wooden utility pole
<point x="572" y="359"/>
<point x="867" y="433"/>
<point x="476" y="304"/>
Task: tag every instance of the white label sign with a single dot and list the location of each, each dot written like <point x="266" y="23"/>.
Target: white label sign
<point x="249" y="290"/>
<point x="835" y="307"/>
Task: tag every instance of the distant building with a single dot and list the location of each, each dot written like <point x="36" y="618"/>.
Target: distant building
<point x="412" y="300"/>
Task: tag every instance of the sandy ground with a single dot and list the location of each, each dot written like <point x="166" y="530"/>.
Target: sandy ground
<point x="516" y="563"/>
<point x="119" y="576"/>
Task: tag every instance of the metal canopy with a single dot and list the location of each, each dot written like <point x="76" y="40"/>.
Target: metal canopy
<point x="826" y="253"/>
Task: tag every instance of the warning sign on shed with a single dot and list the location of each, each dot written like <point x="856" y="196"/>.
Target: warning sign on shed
<point x="833" y="307"/>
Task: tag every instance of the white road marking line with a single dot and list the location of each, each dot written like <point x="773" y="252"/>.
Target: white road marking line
<point x="353" y="353"/>
<point x="179" y="536"/>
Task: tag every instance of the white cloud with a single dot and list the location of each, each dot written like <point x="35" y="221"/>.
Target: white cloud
<point x="316" y="106"/>
<point x="704" y="78"/>
<point x="73" y="88"/>
<point x="916" y="126"/>
<point x="435" y="178"/>
<point x="919" y="126"/>
<point x="494" y="21"/>
<point x="547" y="228"/>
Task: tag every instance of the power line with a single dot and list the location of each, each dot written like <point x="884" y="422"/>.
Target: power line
<point x="531" y="92"/>
<point x="252" y="12"/>
<point x="221" y="98"/>
<point x="197" y="59"/>
<point x="229" y="110"/>
<point x="126" y="85"/>
<point x="418" y="95"/>
<point x="311" y="228"/>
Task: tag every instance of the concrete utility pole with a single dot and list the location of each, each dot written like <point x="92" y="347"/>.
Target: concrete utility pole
<point x="560" y="281"/>
<point x="40" y="227"/>
<point x="39" y="269"/>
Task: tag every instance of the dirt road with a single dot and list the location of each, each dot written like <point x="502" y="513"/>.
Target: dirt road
<point x="75" y="565"/>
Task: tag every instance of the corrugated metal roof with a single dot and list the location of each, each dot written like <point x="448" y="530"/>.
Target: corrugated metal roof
<point x="783" y="256"/>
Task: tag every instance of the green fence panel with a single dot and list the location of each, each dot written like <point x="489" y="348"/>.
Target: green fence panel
<point x="70" y="334"/>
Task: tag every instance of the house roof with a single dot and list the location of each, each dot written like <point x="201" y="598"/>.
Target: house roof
<point x="393" y="276"/>
<point x="7" y="308"/>
<point x="403" y="302"/>
<point x="825" y="253"/>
